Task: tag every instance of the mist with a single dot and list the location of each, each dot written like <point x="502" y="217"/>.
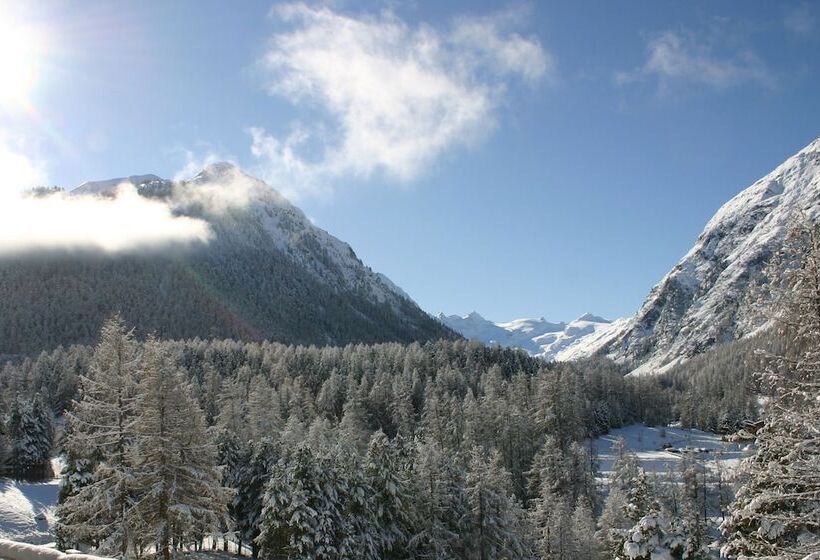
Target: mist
<point x="110" y="224"/>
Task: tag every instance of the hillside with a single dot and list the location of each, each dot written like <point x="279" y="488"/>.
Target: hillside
<point x="266" y="273"/>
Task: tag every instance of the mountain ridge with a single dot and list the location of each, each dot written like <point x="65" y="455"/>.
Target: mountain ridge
<point x="267" y="273"/>
<point x="705" y="299"/>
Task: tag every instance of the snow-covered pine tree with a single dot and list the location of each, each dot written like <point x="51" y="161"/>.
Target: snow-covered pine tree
<point x="77" y="472"/>
<point x="250" y="482"/>
<point x="441" y="502"/>
<point x="497" y="521"/>
<point x="392" y="502"/>
<point x="302" y="518"/>
<point x="353" y="426"/>
<point x="31" y="434"/>
<point x="776" y="513"/>
<point x="178" y="487"/>
<point x="584" y="544"/>
<point x="656" y="537"/>
<point x="551" y="519"/>
<point x="615" y="518"/>
<point x="693" y="507"/>
<point x="100" y="432"/>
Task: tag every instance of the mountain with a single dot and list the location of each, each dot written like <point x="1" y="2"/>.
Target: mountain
<point x="266" y="273"/>
<point x="539" y="337"/>
<point x="706" y="299"/>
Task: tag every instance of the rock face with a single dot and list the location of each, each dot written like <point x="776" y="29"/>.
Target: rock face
<point x="705" y="299"/>
<point x="267" y="273"/>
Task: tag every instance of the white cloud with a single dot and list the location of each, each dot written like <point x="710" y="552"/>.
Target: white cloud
<point x="123" y="222"/>
<point x="197" y="159"/>
<point x="393" y="97"/>
<point x="675" y="58"/>
<point x="219" y="188"/>
<point x="17" y="171"/>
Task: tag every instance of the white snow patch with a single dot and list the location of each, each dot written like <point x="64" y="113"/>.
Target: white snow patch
<point x="27" y="510"/>
<point x="648" y="442"/>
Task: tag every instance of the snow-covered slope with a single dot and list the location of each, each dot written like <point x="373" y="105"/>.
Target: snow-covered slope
<point x="704" y="300"/>
<point x="539" y="337"/>
<point x="251" y="200"/>
<point x="108" y="185"/>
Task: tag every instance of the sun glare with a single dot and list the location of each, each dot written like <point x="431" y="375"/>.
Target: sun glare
<point x="19" y="62"/>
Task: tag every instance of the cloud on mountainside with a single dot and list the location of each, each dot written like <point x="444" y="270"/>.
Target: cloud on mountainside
<point x="394" y="97"/>
<point x="62" y="222"/>
<point x="111" y="224"/>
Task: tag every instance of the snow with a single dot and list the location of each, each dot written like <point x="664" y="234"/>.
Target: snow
<point x="108" y="186"/>
<point x="702" y="300"/>
<point x="538" y="337"/>
<point x="647" y="443"/>
<point x="11" y="550"/>
<point x="27" y="508"/>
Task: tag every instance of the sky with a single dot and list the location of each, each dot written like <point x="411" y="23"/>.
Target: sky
<point x="517" y="159"/>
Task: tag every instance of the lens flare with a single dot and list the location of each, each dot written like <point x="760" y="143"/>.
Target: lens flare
<point x="19" y="64"/>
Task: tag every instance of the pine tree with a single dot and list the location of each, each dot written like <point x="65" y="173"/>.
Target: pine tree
<point x="656" y="537"/>
<point x="392" y="502"/>
<point x="31" y="434"/>
<point x="180" y="497"/>
<point x="617" y="516"/>
<point x="776" y="512"/>
<point x="101" y="432"/>
<point x="693" y="515"/>
<point x="441" y="503"/>
<point x="584" y="544"/>
<point x="495" y="516"/>
<point x="302" y="518"/>
<point x="250" y="485"/>
<point x="551" y="518"/>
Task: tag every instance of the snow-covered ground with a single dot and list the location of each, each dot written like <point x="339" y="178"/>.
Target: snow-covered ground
<point x="27" y="509"/>
<point x="648" y="443"/>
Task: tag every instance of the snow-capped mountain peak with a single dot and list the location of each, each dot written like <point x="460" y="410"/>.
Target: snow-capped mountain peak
<point x="538" y="337"/>
<point x="703" y="300"/>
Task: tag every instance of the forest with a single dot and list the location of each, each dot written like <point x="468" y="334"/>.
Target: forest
<point x="447" y="449"/>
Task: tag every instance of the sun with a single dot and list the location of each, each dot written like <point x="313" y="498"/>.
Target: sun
<point x="19" y="64"/>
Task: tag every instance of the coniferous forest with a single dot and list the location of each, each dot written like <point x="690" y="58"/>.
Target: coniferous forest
<point x="448" y="449"/>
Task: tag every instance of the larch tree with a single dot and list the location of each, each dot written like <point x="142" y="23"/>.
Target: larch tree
<point x="101" y="432"/>
<point x="179" y="494"/>
<point x="776" y="513"/>
<point x="496" y="518"/>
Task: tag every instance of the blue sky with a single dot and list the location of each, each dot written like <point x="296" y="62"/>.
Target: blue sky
<point x="519" y="159"/>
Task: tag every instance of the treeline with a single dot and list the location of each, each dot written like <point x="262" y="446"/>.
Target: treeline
<point x="718" y="391"/>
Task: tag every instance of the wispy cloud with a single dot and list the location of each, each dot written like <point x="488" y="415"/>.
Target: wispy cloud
<point x="801" y="21"/>
<point x="196" y="159"/>
<point x="676" y="58"/>
<point x="392" y="97"/>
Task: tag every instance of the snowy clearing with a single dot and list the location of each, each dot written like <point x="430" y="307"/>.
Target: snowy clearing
<point x="27" y="508"/>
<point x="660" y="449"/>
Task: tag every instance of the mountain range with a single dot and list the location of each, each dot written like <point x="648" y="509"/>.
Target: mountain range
<point x="539" y="337"/>
<point x="710" y="296"/>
